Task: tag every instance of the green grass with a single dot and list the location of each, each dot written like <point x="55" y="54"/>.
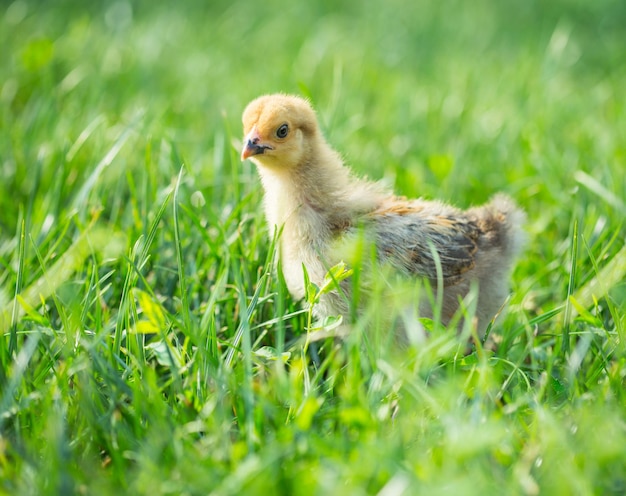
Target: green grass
<point x="147" y="345"/>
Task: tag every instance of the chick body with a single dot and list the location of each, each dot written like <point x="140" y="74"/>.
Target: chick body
<point x="320" y="205"/>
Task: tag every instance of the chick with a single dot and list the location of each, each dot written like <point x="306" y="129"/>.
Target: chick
<point x="319" y="204"/>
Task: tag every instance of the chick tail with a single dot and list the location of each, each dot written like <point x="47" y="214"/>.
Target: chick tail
<point x="511" y="219"/>
<point x="501" y="222"/>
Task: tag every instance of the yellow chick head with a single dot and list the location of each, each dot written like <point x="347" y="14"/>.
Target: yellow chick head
<point x="279" y="130"/>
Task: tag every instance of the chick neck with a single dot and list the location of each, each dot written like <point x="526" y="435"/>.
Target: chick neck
<point x="316" y="198"/>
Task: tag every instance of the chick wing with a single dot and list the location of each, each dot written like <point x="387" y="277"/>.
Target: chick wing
<point x="421" y="238"/>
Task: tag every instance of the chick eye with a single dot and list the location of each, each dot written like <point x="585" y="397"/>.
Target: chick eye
<point x="282" y="131"/>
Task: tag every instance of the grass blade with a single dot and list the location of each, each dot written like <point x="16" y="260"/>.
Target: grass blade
<point x="93" y="240"/>
<point x="81" y="197"/>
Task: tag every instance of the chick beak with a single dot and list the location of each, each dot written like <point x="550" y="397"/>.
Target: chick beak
<point x="252" y="145"/>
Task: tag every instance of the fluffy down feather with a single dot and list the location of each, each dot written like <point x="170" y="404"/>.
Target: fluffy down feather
<point x="320" y="206"/>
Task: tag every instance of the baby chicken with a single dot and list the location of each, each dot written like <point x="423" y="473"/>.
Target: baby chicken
<point x="314" y="198"/>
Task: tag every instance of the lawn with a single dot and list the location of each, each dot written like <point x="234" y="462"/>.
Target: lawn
<point x="147" y="344"/>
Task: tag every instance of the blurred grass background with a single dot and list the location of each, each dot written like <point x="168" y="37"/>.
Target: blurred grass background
<point x="143" y="328"/>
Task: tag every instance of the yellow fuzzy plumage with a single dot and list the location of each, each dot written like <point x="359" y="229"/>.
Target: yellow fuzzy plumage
<point x="319" y="203"/>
